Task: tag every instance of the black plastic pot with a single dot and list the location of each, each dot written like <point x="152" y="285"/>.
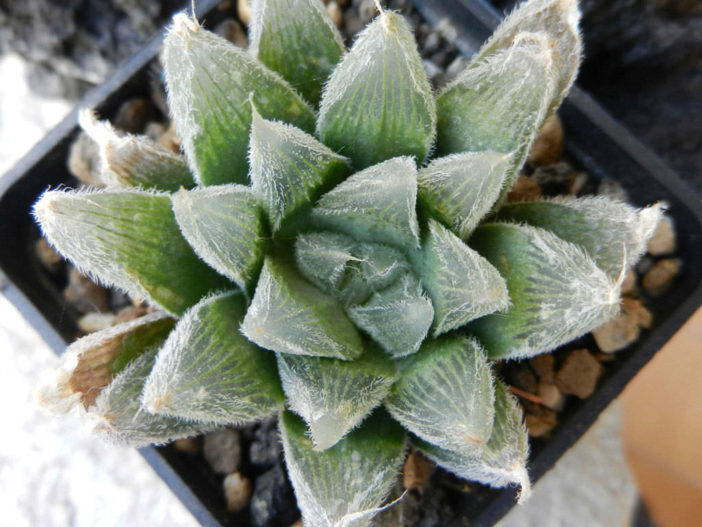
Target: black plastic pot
<point x="594" y="141"/>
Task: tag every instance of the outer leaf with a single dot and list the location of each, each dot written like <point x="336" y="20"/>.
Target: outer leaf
<point x="462" y="284"/>
<point x="608" y="230"/>
<point x="105" y="371"/>
<point x="208" y="371"/>
<point x="503" y="460"/>
<point x="378" y="102"/>
<point x="344" y="485"/>
<point x="460" y="189"/>
<point x="557" y="291"/>
<point x="290" y="169"/>
<point x="128" y="239"/>
<point x="297" y="39"/>
<point x="398" y="317"/>
<point x="210" y="83"/>
<point x="445" y="394"/>
<point x="376" y="205"/>
<point x="288" y="315"/>
<point x="500" y="102"/>
<point x="135" y="161"/>
<point x="334" y="396"/>
<point x="225" y="226"/>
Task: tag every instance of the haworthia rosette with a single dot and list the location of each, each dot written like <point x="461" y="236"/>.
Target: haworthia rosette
<point x="209" y="371"/>
<point x="377" y="204"/>
<point x="210" y="84"/>
<point x="503" y="459"/>
<point x="445" y="394"/>
<point x="135" y="161"/>
<point x="334" y="396"/>
<point x="462" y="284"/>
<point x="378" y="102"/>
<point x="297" y="39"/>
<point x="128" y="239"/>
<point x="288" y="315"/>
<point x="558" y="293"/>
<point x="224" y="224"/>
<point x="398" y="317"/>
<point x="345" y="485"/>
<point x="290" y="169"/>
<point x="613" y="233"/>
<point x="460" y="189"/>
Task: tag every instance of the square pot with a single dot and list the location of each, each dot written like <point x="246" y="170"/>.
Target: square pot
<point x="594" y="141"/>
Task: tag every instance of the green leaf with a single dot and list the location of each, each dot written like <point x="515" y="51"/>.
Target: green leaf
<point x="210" y="83"/>
<point x="460" y="189"/>
<point x="398" y="317"/>
<point x="499" y="102"/>
<point x="322" y="257"/>
<point x="377" y="205"/>
<point x="297" y="39"/>
<point x="208" y="371"/>
<point x="558" y="293"/>
<point x="343" y="486"/>
<point x="612" y="232"/>
<point x="224" y="225"/>
<point x="445" y="394"/>
<point x="462" y="284"/>
<point x="334" y="396"/>
<point x="378" y="102"/>
<point x="288" y="315"/>
<point x="290" y="169"/>
<point x="104" y="373"/>
<point x="558" y="19"/>
<point x="502" y="461"/>
<point x="135" y="161"/>
<point x="128" y="239"/>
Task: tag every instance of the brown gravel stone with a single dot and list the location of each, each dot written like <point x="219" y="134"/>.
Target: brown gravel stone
<point x="48" y="257"/>
<point x="625" y="328"/>
<point x="659" y="277"/>
<point x="548" y="146"/>
<point x="189" y="444"/>
<point x="551" y="396"/>
<point x="237" y="490"/>
<point x="170" y="140"/>
<point x="540" y="425"/>
<point x="222" y="450"/>
<point x="629" y="284"/>
<point x="92" y="322"/>
<point x="131" y="313"/>
<point x="525" y="189"/>
<point x="663" y="240"/>
<point x="85" y="295"/>
<point x="133" y="115"/>
<point x="84" y="160"/>
<point x="526" y="380"/>
<point x="243" y="11"/>
<point x="579" y="373"/>
<point x="417" y="471"/>
<point x="231" y="30"/>
<point x="298" y="523"/>
<point x="335" y="13"/>
<point x="543" y="366"/>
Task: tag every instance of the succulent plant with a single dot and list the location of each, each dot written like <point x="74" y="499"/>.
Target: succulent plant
<point x="343" y="253"/>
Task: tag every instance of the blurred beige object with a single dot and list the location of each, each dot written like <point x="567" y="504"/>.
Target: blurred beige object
<point x="662" y="429"/>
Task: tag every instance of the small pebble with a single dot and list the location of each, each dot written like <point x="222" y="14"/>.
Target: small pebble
<point x="555" y="179"/>
<point x="551" y="396"/>
<point x="298" y="523"/>
<point x="542" y="424"/>
<point x="431" y="43"/>
<point x="335" y="13"/>
<point x="644" y="264"/>
<point x="243" y="11"/>
<point x="48" y="257"/>
<point x="663" y="240"/>
<point x="222" y="450"/>
<point x="625" y="328"/>
<point x="133" y="114"/>
<point x="86" y="296"/>
<point x="264" y="449"/>
<point x="548" y="145"/>
<point x="417" y="471"/>
<point x="524" y="189"/>
<point x="543" y="366"/>
<point x="526" y="380"/>
<point x="170" y="139"/>
<point x="189" y="444"/>
<point x="579" y="373"/>
<point x="92" y="322"/>
<point x="231" y="30"/>
<point x="237" y="490"/>
<point x="658" y="278"/>
<point x="273" y="500"/>
<point x="154" y="130"/>
<point x="431" y="69"/>
<point x="629" y="283"/>
<point x="367" y="11"/>
<point x="84" y="160"/>
<point x="129" y="313"/>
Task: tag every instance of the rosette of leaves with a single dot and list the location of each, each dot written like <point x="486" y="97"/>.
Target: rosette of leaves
<point x="334" y="245"/>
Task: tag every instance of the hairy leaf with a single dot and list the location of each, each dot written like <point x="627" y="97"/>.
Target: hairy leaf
<point x="462" y="284"/>
<point x="210" y="83"/>
<point x="613" y="233"/>
<point x="345" y="485"/>
<point x="297" y="39"/>
<point x="445" y="394"/>
<point x="502" y="461"/>
<point x="128" y="239"/>
<point x="208" y="371"/>
<point x="558" y="293"/>
<point x="322" y="257"/>
<point x="290" y="169"/>
<point x="288" y="315"/>
<point x="460" y="189"/>
<point x="377" y="204"/>
<point x="398" y="317"/>
<point x="334" y="396"/>
<point x="135" y="161"/>
<point x="224" y="225"/>
<point x="378" y="102"/>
